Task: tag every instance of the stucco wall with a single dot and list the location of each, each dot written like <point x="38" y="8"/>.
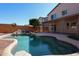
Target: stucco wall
<point x="9" y="28"/>
<point x="61" y="26"/>
<point x="72" y="8"/>
<point x="5" y="28"/>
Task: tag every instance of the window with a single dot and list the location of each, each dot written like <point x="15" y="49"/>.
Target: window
<point x="73" y="25"/>
<point x="64" y="12"/>
<point x="53" y="16"/>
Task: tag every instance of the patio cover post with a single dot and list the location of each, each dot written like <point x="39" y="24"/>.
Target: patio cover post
<point x="78" y="26"/>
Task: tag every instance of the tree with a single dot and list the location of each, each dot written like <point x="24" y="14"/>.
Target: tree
<point x="34" y="22"/>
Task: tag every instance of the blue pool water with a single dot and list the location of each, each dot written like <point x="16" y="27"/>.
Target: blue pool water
<point x="43" y="45"/>
<point x="23" y="44"/>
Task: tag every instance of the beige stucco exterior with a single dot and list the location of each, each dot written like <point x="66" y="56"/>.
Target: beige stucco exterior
<point x="61" y="25"/>
<point x="68" y="23"/>
<point x="42" y="27"/>
<point x="72" y="8"/>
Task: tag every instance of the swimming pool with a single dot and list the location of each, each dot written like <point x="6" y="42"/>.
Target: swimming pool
<point x="43" y="45"/>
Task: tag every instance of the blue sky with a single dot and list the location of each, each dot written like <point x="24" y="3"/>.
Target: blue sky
<point x="20" y="13"/>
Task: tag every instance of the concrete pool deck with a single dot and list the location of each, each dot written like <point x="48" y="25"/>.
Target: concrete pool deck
<point x="3" y="45"/>
<point x="61" y="37"/>
<point x="7" y="44"/>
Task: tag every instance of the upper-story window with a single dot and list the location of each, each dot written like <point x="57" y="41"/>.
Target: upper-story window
<point x="64" y="12"/>
<point x="53" y="16"/>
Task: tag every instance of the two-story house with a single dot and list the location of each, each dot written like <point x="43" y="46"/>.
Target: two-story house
<point x="64" y="18"/>
<point x="43" y="27"/>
